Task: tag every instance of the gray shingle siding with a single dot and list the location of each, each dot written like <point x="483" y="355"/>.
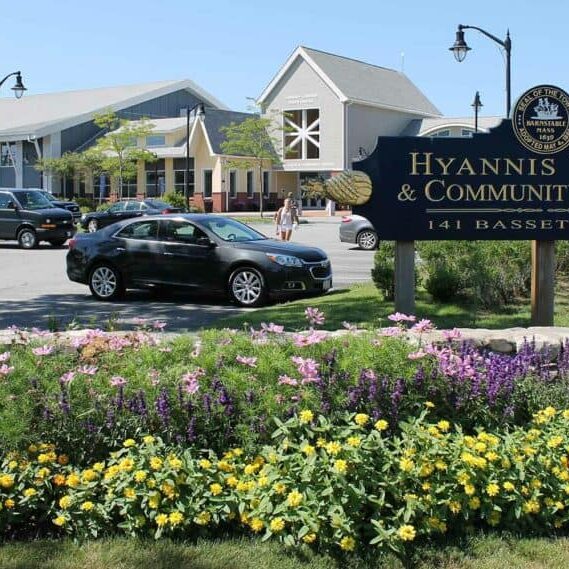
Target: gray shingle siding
<point x="215" y="119"/>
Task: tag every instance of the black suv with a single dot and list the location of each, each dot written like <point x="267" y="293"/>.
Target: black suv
<point x="73" y="207"/>
<point x="29" y="217"/>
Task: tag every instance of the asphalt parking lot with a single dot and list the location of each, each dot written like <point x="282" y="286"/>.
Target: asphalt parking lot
<point x="35" y="290"/>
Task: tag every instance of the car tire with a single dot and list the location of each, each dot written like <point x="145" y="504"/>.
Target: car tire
<point x="27" y="238"/>
<point x="58" y="242"/>
<point x="247" y="287"/>
<point x="105" y="282"/>
<point x="92" y="225"/>
<point x="367" y="240"/>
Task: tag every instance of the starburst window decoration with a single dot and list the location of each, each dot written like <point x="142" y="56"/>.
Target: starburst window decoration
<point x="302" y="134"/>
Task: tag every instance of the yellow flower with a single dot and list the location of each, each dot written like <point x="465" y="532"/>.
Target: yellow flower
<point x="354" y="442"/>
<point x="59" y="521"/>
<point x="306" y="416"/>
<point x="129" y="493"/>
<point x="277" y="525"/>
<point x="549" y="411"/>
<point x="426" y="470"/>
<point x="321" y="442"/>
<point x="309" y="538"/>
<point x="454" y="507"/>
<point x="294" y="498"/>
<point x="361" y="419"/>
<point x="176" y="518"/>
<point x="174" y="462"/>
<point x="444" y="426"/>
<point x="216" y="489"/>
<point x="474" y="503"/>
<point x="333" y="447"/>
<point x="554" y="442"/>
<point x="492" y="489"/>
<point x="279" y="488"/>
<point x="148" y="439"/>
<point x="469" y="489"/>
<point x="169" y="490"/>
<point x="437" y="524"/>
<point x="509" y="486"/>
<point x="429" y="404"/>
<point x="407" y="533"/>
<point x="491" y="456"/>
<point x="257" y="525"/>
<point x="426" y="486"/>
<point x="29" y="492"/>
<point x="232" y="481"/>
<point x="347" y="543"/>
<point x="531" y="507"/>
<point x="340" y="466"/>
<point x="140" y="475"/>
<point x="263" y="481"/>
<point x="156" y="463"/>
<point x="381" y="425"/>
<point x="224" y="466"/>
<point x="32" y="448"/>
<point x="203" y="518"/>
<point x="154" y="501"/>
<point x="9" y="503"/>
<point x="440" y="465"/>
<point x="99" y="466"/>
<point x="126" y="464"/>
<point x="566" y="414"/>
<point x="129" y="443"/>
<point x="204" y="463"/>
<point x="406" y="464"/>
<point x="6" y="481"/>
<point x="161" y="520"/>
<point x="65" y="502"/>
<point x="308" y="450"/>
<point x="87" y="506"/>
<point x="89" y="475"/>
<point x="13" y="464"/>
<point x="73" y="480"/>
<point x="237" y="451"/>
<point x="250" y="469"/>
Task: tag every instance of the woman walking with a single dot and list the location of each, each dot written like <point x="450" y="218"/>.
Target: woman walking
<point x="286" y="218"/>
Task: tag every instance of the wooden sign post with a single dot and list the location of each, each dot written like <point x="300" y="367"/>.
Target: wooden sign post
<point x="542" y="282"/>
<point x="405" y="277"/>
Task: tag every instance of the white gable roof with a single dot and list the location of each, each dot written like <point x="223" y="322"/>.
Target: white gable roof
<point x="38" y="115"/>
<point x="359" y="82"/>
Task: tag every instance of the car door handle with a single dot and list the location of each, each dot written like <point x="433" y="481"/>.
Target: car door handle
<point x="120" y="249"/>
<point x="169" y="254"/>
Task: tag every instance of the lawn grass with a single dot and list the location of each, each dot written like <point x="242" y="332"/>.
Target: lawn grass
<point x="125" y="553"/>
<point x="362" y="304"/>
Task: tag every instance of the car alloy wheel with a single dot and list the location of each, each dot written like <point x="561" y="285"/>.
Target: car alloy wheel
<point x="367" y="239"/>
<point x="93" y="225"/>
<point x="27" y="239"/>
<point x="105" y="282"/>
<point x="247" y="287"/>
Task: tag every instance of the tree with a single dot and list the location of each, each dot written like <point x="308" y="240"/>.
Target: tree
<point x="65" y="166"/>
<point x="253" y="139"/>
<point x="116" y="152"/>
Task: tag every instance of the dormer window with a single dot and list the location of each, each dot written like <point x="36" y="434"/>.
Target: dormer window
<point x="155" y="140"/>
<point x="301" y="134"/>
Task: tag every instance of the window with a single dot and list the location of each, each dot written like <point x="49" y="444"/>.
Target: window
<point x="231" y="230"/>
<point x="7" y="154"/>
<point x="156" y="140"/>
<point x="144" y="230"/>
<point x="232" y="183"/>
<point x="101" y="186"/>
<point x="207" y="183"/>
<point x="129" y="188"/>
<point x="117" y="207"/>
<point x="250" y="184"/>
<point x="180" y="176"/>
<point x="176" y="231"/>
<point x="441" y="134"/>
<point x="132" y="206"/>
<point x="266" y="184"/>
<point x="5" y="199"/>
<point x="466" y="132"/>
<point x="155" y="178"/>
<point x="302" y="134"/>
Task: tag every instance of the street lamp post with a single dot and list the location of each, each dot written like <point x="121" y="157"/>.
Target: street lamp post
<point x="477" y="106"/>
<point x="200" y="112"/>
<point x="460" y="49"/>
<point x="18" y="87"/>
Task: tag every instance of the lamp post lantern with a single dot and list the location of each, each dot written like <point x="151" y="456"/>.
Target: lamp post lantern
<point x="460" y="49"/>
<point x="200" y="112"/>
<point x="477" y="106"/>
<point x="18" y="87"/>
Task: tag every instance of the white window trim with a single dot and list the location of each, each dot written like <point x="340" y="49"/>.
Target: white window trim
<point x="233" y="171"/>
<point x="250" y="197"/>
<point x="204" y="170"/>
<point x="304" y="127"/>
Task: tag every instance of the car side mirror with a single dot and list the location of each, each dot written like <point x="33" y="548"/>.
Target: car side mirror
<point x="11" y="205"/>
<point x="205" y="242"/>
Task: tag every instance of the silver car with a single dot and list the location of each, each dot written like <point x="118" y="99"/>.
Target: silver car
<point x="358" y="229"/>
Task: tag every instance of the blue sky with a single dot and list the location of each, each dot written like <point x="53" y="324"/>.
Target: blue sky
<point x="233" y="48"/>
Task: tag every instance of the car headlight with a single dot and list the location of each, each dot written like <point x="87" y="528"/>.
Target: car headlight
<point x="285" y="260"/>
<point x="47" y="220"/>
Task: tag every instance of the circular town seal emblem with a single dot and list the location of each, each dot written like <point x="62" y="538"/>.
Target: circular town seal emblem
<point x="541" y="119"/>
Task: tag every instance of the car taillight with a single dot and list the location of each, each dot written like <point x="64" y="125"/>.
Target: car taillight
<point x="164" y="211"/>
<point x="71" y="243"/>
<point x="346" y="219"/>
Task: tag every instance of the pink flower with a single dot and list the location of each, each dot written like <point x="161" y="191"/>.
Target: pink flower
<point x="192" y="386"/>
<point x="5" y="370"/>
<point x="417" y="355"/>
<point x="400" y="317"/>
<point x="308" y="368"/>
<point x="87" y="370"/>
<point x="117" y="381"/>
<point x="450" y="335"/>
<point x="154" y="376"/>
<point x="286" y="380"/>
<point x="4" y="357"/>
<point x="251" y="362"/>
<point x="190" y="380"/>
<point x="43" y="351"/>
<point x="158" y="325"/>
<point x="314" y="337"/>
<point x="392" y="331"/>
<point x="422" y="326"/>
<point x="67" y="378"/>
<point x="272" y="328"/>
<point x="314" y="316"/>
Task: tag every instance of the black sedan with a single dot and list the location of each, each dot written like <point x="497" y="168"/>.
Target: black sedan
<point x="203" y="252"/>
<point x="73" y="207"/>
<point x="125" y="209"/>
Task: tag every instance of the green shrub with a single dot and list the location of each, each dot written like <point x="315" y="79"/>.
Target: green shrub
<point x="174" y="198"/>
<point x="383" y="271"/>
<point x="443" y="281"/>
<point x="86" y="204"/>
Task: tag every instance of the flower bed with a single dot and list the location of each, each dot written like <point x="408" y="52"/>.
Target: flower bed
<point x="339" y="487"/>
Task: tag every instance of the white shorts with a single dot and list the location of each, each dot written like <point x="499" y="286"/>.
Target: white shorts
<point x="286" y="227"/>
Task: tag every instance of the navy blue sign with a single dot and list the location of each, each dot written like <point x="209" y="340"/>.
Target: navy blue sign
<point x="505" y="184"/>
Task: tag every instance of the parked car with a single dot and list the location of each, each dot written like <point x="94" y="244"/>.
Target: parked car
<point x="195" y="251"/>
<point x="28" y="216"/>
<point x="73" y="207"/>
<point x="125" y="209"/>
<point x="358" y="229"/>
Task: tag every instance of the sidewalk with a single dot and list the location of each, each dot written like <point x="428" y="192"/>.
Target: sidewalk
<point x="310" y="215"/>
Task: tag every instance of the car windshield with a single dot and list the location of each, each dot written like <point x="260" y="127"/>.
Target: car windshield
<point x="33" y="200"/>
<point x="231" y="230"/>
<point x="49" y="196"/>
